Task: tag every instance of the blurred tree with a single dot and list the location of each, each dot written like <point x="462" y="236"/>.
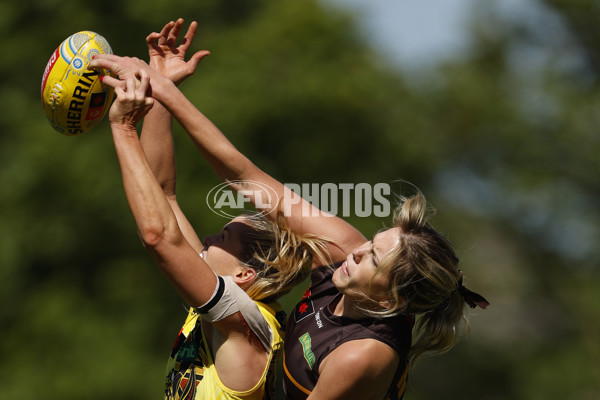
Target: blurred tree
<point x="518" y="116"/>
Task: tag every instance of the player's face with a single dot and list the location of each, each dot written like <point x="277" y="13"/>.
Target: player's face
<point x="222" y="252"/>
<point x="357" y="276"/>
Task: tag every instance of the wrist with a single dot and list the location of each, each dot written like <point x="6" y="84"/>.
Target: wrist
<point x="123" y="128"/>
<point x="161" y="88"/>
<point x="169" y="96"/>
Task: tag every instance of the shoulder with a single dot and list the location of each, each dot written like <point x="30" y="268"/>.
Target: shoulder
<point x="396" y="332"/>
<point x="360" y="369"/>
<point x="362" y="355"/>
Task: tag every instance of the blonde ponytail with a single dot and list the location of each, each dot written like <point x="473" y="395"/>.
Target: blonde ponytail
<point x="425" y="280"/>
<point x="281" y="258"/>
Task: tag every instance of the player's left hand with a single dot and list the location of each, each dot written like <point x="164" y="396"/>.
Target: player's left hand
<point x="169" y="59"/>
<point x="132" y="102"/>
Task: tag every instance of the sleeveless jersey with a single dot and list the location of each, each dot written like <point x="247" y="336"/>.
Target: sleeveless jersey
<point x="191" y="372"/>
<point x="313" y="332"/>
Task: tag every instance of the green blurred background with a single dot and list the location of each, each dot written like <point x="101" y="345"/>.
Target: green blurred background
<point x="503" y="139"/>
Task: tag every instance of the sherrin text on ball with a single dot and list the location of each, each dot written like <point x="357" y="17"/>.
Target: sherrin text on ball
<point x="74" y="98"/>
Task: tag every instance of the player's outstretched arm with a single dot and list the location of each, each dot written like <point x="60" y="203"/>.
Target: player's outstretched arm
<point x="235" y="168"/>
<point x="168" y="58"/>
<point x="154" y="218"/>
<point x="243" y="176"/>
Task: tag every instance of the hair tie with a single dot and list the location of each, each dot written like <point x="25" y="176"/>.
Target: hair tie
<point x="471" y="298"/>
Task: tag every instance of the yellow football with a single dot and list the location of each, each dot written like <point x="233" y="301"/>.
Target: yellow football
<point x="74" y="98"/>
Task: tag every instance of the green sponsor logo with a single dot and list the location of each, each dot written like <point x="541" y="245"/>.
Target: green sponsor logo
<point x="309" y="356"/>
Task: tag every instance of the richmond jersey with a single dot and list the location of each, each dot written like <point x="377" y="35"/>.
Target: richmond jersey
<point x="191" y="372"/>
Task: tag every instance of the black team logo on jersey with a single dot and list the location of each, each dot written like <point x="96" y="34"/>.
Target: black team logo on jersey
<point x="304" y="309"/>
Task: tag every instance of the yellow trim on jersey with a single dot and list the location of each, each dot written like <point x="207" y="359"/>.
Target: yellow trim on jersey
<point x="291" y="378"/>
<point x="402" y="382"/>
<point x="276" y="342"/>
<point x="210" y="386"/>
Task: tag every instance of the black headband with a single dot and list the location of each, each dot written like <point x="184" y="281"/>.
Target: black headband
<point x="471" y="298"/>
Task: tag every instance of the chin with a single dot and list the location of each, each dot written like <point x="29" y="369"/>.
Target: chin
<point x="335" y="278"/>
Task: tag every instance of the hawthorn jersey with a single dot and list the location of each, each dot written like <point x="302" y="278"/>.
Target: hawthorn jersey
<point x="313" y="332"/>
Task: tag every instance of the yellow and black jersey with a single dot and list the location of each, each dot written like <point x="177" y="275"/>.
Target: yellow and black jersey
<point x="191" y="372"/>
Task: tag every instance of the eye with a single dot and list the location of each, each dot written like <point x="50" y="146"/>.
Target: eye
<point x="225" y="233"/>
<point x="373" y="256"/>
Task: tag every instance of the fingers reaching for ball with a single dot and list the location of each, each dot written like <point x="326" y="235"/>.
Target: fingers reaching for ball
<point x="107" y="62"/>
<point x="133" y="101"/>
<point x="123" y="68"/>
<point x="110" y="81"/>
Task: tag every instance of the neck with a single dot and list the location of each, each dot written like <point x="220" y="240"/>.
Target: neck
<point x="344" y="307"/>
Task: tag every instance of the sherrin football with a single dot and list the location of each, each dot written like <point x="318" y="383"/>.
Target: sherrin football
<point x="74" y="98"/>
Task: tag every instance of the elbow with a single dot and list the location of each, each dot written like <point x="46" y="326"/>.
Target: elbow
<point x="156" y="235"/>
<point x="158" y="229"/>
<point x="152" y="235"/>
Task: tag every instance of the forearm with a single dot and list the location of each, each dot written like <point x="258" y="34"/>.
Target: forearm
<point x="227" y="162"/>
<point x="268" y="195"/>
<point x="154" y="218"/>
<point x="157" y="224"/>
<point x="149" y="206"/>
<point x="157" y="142"/>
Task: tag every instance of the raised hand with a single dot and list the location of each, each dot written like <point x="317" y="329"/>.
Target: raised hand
<point x="122" y="67"/>
<point x="169" y="59"/>
<point x="132" y="101"/>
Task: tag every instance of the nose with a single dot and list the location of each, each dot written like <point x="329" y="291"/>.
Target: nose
<point x="358" y="253"/>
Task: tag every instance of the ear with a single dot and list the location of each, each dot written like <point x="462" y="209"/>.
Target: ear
<point x="389" y="304"/>
<point x="386" y="304"/>
<point x="244" y="276"/>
